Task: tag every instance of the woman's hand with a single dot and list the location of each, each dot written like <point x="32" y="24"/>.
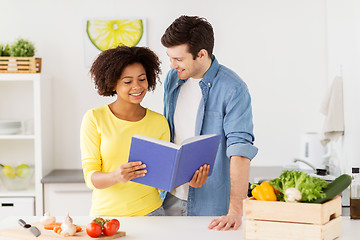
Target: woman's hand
<point x="200" y="176"/>
<point x="124" y="173"/>
<point x="130" y="170"/>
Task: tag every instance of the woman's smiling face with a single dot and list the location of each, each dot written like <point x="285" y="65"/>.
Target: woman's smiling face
<point x="132" y="84"/>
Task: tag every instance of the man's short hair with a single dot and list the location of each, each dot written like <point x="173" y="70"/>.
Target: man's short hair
<point x="194" y="31"/>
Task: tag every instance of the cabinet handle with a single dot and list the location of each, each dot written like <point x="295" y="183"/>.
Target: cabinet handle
<point x="7" y="204"/>
<point x="72" y="191"/>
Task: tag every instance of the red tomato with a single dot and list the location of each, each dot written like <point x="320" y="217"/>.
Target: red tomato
<point x="93" y="230"/>
<point x="117" y="223"/>
<point x="110" y="228"/>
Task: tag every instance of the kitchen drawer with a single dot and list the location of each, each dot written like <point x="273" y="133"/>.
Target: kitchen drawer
<point x="63" y="198"/>
<point x="21" y="206"/>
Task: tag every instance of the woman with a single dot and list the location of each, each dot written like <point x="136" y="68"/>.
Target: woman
<point x="106" y="131"/>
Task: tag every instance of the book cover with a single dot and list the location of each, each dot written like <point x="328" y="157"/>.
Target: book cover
<point x="170" y="165"/>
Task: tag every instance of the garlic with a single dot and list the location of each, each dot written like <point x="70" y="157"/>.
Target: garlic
<point x="69" y="218"/>
<point x="293" y="195"/>
<point x="67" y="227"/>
<point x="47" y="219"/>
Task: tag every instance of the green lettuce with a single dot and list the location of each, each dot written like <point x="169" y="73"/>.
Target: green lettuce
<point x="310" y="187"/>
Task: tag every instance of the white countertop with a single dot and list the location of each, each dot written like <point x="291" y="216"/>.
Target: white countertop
<point x="184" y="228"/>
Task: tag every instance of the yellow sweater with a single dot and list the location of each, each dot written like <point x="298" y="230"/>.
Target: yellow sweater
<point x="105" y="145"/>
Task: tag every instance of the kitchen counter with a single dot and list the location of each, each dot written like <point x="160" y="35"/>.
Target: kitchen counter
<point x="64" y="176"/>
<point x="76" y="175"/>
<point x="159" y="228"/>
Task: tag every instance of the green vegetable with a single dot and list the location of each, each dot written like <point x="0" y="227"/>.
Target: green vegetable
<point x="311" y="188"/>
<point x="335" y="188"/>
<point x="6" y="51"/>
<point x="22" y="48"/>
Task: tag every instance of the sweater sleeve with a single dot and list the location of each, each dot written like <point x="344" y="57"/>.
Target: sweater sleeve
<point x="90" y="147"/>
<point x="166" y="130"/>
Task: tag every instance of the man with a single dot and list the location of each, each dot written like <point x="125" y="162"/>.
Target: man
<point x="203" y="97"/>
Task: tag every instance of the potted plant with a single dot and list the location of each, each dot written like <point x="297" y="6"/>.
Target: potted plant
<point x="22" y="48"/>
<point x="19" y="57"/>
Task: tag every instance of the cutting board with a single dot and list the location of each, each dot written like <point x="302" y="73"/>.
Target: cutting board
<point x="19" y="232"/>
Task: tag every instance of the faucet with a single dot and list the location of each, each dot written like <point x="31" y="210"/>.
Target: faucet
<point x="306" y="162"/>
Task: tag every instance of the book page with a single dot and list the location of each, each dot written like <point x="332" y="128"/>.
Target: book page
<point x="196" y="138"/>
<point x="195" y="154"/>
<point x="158" y="141"/>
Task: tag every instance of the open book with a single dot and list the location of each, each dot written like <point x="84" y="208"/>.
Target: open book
<point x="169" y="165"/>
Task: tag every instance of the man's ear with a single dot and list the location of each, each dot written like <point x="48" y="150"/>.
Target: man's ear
<point x="202" y="54"/>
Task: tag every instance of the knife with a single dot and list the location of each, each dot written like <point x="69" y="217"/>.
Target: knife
<point x="34" y="230"/>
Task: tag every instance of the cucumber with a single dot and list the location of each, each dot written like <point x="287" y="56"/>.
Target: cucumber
<point x="335" y="188"/>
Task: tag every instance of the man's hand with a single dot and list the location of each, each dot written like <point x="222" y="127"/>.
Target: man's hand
<point x="239" y="182"/>
<point x="200" y="176"/>
<point x="226" y="222"/>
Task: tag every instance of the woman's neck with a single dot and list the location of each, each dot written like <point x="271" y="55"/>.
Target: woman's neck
<point x="128" y="112"/>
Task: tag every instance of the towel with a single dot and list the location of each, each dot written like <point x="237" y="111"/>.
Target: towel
<point x="333" y="109"/>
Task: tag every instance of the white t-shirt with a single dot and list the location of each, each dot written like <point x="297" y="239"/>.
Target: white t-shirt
<point x="184" y="121"/>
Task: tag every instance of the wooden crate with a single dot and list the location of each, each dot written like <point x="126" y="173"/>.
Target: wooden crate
<point x="20" y="65"/>
<point x="282" y="220"/>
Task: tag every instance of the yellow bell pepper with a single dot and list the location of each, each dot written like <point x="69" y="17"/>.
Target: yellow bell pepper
<point x="264" y="192"/>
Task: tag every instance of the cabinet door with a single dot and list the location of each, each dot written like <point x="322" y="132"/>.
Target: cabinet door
<point x="20" y="206"/>
<point x="63" y="198"/>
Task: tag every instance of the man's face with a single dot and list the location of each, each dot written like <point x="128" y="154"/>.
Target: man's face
<point x="183" y="62"/>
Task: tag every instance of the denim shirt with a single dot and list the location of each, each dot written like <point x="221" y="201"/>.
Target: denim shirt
<point x="225" y="109"/>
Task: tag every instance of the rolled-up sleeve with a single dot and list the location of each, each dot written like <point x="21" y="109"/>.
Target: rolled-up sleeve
<point x="238" y="124"/>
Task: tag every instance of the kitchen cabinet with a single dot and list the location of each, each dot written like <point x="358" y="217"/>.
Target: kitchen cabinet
<point x="65" y="191"/>
<point x="26" y="97"/>
<point x="17" y="206"/>
<point x="63" y="198"/>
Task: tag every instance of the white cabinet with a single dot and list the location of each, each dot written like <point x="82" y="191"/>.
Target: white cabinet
<point x="26" y="97"/>
<point x="60" y="198"/>
<point x="24" y="206"/>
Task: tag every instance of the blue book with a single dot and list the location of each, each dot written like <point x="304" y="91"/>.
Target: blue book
<point x="169" y="165"/>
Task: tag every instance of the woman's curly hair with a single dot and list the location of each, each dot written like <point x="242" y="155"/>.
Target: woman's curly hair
<point x="109" y="65"/>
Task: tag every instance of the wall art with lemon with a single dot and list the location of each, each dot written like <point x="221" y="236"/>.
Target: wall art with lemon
<point x="101" y="35"/>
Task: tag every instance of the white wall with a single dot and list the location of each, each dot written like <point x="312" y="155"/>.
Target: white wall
<point x="343" y="30"/>
<point x="278" y="47"/>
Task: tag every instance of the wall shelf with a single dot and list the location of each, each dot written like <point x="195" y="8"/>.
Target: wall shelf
<point x="26" y="97"/>
<point x="20" y="136"/>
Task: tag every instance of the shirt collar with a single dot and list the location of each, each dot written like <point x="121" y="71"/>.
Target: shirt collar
<point x="211" y="72"/>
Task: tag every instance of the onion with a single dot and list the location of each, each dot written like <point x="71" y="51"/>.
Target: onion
<point x="293" y="195"/>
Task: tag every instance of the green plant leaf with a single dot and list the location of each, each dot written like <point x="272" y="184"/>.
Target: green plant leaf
<point x="22" y="48"/>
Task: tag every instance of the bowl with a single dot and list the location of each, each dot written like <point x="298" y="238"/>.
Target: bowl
<point x="9" y="131"/>
<point x="18" y="177"/>
<point x="10" y="127"/>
